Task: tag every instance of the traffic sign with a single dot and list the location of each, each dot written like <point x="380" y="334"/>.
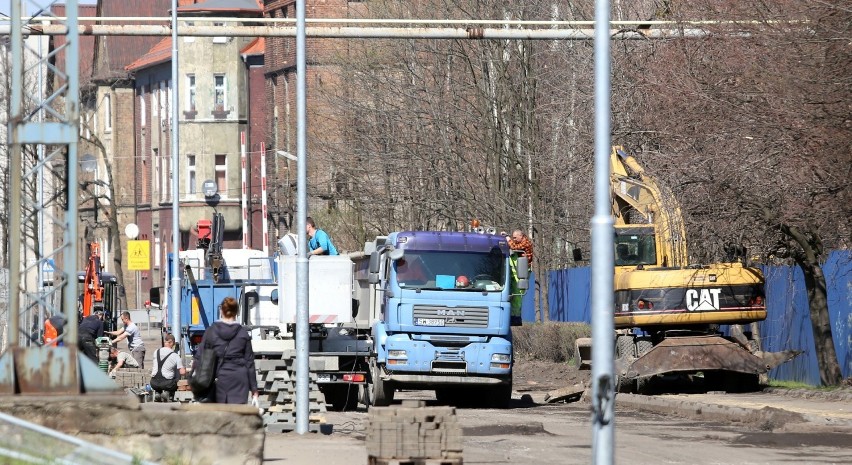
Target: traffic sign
<point x="138" y="255"/>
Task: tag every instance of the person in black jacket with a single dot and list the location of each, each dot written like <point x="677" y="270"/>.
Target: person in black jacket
<point x="236" y="376"/>
<point x="91" y="328"/>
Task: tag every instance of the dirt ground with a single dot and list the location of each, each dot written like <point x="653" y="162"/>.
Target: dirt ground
<point x="541" y="376"/>
<point x="537" y="376"/>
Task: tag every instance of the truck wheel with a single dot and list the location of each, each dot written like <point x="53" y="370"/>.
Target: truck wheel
<point x="382" y="390"/>
<point x="624" y="348"/>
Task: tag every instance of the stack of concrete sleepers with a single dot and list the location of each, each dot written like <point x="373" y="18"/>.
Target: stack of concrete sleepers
<point x="412" y="434"/>
<point x="276" y="385"/>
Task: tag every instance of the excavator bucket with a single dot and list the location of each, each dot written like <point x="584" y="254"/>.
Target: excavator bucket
<point x="704" y="353"/>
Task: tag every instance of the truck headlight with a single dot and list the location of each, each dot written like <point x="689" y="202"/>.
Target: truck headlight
<point x="397" y="354"/>
<point x="501" y="358"/>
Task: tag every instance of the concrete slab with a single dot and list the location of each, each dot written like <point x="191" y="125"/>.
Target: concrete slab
<point x="150" y="431"/>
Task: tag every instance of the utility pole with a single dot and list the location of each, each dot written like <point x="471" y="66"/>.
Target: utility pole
<point x="603" y="326"/>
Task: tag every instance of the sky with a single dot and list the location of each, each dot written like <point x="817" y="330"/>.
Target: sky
<point x="31" y="6"/>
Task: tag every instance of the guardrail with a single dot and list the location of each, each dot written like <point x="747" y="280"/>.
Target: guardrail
<point x="22" y="442"/>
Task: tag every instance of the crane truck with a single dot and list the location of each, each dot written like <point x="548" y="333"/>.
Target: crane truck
<point x="668" y="313"/>
<point x="416" y="309"/>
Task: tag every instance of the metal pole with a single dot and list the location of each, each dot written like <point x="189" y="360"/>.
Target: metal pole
<point x="175" y="305"/>
<point x="42" y="308"/>
<point x="263" y="201"/>
<point x="302" y="331"/>
<point x="15" y="165"/>
<point x="603" y="391"/>
<point x="354" y="32"/>
<point x="72" y="112"/>
<point x="243" y="189"/>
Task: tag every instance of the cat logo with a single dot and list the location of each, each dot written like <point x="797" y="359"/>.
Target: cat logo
<point x="702" y="299"/>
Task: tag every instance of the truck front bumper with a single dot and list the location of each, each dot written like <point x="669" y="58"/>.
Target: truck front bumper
<point x="473" y="363"/>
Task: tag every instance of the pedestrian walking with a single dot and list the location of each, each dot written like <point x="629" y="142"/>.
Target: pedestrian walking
<point x="235" y="377"/>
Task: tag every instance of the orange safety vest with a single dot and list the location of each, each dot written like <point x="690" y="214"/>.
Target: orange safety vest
<point x="50" y="334"/>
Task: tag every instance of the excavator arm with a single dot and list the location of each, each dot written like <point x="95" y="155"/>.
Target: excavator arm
<point x="93" y="289"/>
<point x="637" y="199"/>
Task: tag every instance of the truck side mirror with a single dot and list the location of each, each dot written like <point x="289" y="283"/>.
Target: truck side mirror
<point x="373" y="271"/>
<point x="578" y="254"/>
<point x="523" y="268"/>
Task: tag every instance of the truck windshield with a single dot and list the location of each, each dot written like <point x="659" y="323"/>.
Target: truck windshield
<point x="635" y="246"/>
<point x="457" y="271"/>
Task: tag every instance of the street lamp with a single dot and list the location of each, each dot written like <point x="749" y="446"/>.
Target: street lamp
<point x="209" y="188"/>
<point x="89" y="163"/>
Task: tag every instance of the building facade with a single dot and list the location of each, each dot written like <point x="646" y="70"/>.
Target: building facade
<point x="217" y="119"/>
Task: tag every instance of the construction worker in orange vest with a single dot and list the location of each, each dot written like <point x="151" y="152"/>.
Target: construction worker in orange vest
<point x="53" y="329"/>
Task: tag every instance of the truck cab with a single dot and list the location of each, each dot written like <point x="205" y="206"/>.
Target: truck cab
<point x="444" y="320"/>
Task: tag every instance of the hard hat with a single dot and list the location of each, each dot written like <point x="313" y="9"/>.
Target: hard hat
<point x="462" y="281"/>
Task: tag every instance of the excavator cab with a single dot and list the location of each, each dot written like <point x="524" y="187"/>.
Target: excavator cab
<point x="635" y="245"/>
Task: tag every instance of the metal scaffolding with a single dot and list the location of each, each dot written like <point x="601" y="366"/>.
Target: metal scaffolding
<point x="42" y="151"/>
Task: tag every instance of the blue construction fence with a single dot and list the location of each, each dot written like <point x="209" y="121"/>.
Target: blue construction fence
<point x="787" y="325"/>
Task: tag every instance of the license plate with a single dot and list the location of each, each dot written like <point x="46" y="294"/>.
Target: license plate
<point x="323" y="378"/>
<point x="430" y="321"/>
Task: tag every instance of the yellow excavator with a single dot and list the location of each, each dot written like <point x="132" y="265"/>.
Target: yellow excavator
<point x="668" y="312"/>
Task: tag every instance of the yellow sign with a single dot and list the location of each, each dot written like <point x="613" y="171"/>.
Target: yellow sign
<point x="138" y="255"/>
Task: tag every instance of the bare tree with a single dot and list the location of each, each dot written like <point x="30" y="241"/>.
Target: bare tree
<point x="752" y="125"/>
<point x="430" y="134"/>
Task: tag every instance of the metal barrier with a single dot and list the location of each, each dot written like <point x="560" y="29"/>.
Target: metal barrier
<point x="28" y="443"/>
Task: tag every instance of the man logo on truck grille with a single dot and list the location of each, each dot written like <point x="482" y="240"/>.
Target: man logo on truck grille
<point x="702" y="299"/>
<point x="442" y="312"/>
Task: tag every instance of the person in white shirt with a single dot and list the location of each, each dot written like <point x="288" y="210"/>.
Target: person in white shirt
<point x="168" y="368"/>
<point x="134" y="338"/>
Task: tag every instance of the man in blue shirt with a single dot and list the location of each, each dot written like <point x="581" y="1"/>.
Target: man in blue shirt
<point x="319" y="243"/>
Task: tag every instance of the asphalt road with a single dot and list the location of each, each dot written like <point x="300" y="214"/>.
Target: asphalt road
<point x="756" y="429"/>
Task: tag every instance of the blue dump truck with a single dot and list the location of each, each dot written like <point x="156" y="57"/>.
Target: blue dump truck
<point x="444" y="303"/>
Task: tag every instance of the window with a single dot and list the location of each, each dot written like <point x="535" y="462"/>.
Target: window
<point x="167" y="178"/>
<point x="219" y="91"/>
<point x="190" y="174"/>
<point x="222" y="175"/>
<point x="219" y="39"/>
<point x="156" y="245"/>
<point x="169" y="102"/>
<point x="156" y="157"/>
<point x="162" y="97"/>
<point x="188" y="38"/>
<point x="190" y="92"/>
<point x="142" y="113"/>
<point x="468" y="271"/>
<point x="107" y="112"/>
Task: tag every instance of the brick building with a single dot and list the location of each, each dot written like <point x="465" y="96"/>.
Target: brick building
<point x="221" y="97"/>
<point x="325" y="129"/>
<point x="106" y="96"/>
